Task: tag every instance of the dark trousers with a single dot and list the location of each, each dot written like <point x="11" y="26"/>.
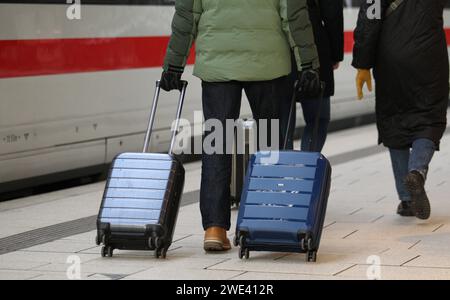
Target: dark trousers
<point x="310" y="108"/>
<point x="222" y="101"/>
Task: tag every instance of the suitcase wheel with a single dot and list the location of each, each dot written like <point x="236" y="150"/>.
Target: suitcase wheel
<point x="161" y="253"/>
<point x="311" y="256"/>
<point x="242" y="241"/>
<point x="306" y="244"/>
<point x="107" y="251"/>
<point x="100" y="240"/>
<point x="152" y="242"/>
<point x="164" y="253"/>
<point x="244" y="252"/>
<point x="155" y="242"/>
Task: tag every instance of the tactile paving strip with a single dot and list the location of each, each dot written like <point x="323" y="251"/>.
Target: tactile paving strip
<point x="46" y="234"/>
<point x="62" y="230"/>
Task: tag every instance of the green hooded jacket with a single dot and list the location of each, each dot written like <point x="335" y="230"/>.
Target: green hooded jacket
<point x="243" y="40"/>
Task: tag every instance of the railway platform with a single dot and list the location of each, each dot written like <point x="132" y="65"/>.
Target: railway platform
<point x="52" y="236"/>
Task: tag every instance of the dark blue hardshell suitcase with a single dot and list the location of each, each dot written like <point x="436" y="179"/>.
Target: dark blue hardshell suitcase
<point x="284" y="202"/>
<point x="283" y="205"/>
<point x="142" y="197"/>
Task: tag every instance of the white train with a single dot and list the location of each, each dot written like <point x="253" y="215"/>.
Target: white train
<point x="76" y="92"/>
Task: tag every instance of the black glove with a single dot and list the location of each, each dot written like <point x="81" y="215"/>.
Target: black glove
<point x="171" y="81"/>
<point x="309" y="85"/>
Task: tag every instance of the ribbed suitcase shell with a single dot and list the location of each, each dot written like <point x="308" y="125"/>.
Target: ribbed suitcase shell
<point x="284" y="203"/>
<point x="141" y="201"/>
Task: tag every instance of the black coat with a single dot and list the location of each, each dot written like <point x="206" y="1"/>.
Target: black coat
<point x="327" y="19"/>
<point x="408" y="52"/>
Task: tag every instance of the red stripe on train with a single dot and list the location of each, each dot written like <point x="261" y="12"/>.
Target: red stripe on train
<point x="348" y="41"/>
<point x="20" y="58"/>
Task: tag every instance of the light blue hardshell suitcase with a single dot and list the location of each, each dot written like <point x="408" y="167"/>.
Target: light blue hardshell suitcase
<point x="142" y="197"/>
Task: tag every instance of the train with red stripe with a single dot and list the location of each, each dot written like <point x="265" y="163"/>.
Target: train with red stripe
<point x="76" y="83"/>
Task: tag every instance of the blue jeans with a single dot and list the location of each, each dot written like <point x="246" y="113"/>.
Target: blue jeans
<point x="309" y="108"/>
<point x="407" y="160"/>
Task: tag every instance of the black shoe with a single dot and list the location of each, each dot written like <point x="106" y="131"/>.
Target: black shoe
<point x="406" y="209"/>
<point x="415" y="183"/>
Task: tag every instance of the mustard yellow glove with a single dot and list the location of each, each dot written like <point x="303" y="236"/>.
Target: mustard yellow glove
<point x="363" y="77"/>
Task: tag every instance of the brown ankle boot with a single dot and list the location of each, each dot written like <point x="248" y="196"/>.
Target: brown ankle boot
<point x="216" y="239"/>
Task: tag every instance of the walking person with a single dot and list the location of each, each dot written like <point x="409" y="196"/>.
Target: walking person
<point x="407" y="50"/>
<point x="327" y="19"/>
<point x="240" y="45"/>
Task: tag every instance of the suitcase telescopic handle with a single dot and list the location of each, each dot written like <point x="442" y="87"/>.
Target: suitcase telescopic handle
<point x="151" y="121"/>
<point x="313" y="140"/>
